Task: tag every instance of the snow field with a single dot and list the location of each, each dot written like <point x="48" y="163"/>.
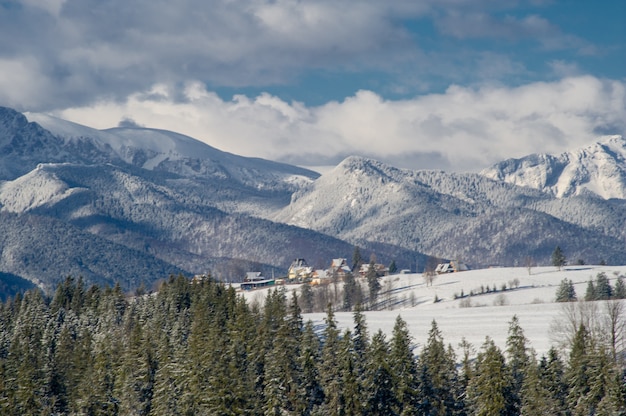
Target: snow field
<point x="489" y="314"/>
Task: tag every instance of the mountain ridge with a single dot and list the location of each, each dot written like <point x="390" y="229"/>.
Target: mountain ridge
<point x="598" y="168"/>
<point x="182" y="205"/>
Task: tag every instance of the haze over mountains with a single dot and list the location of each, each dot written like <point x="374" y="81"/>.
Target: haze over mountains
<point x="134" y="205"/>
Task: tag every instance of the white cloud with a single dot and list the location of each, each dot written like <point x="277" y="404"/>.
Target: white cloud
<point x="461" y="129"/>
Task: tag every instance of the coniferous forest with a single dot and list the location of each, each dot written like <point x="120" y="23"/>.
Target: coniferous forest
<point x="200" y="349"/>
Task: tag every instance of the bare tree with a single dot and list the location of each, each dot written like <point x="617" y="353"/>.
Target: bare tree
<point x="614" y="325"/>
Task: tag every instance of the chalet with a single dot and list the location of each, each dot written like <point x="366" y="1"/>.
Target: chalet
<point x="339" y="268"/>
<point x="381" y="269"/>
<point x="257" y="284"/>
<point x="451" y="267"/>
<point x="299" y="269"/>
<point x="320" y="277"/>
<point x="253" y="277"/>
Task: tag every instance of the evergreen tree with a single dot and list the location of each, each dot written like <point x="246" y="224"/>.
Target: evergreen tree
<point x="310" y="379"/>
<point x="566" y="291"/>
<point x="440" y="372"/>
<point x="349" y="291"/>
<point x="306" y="294"/>
<point x="489" y="390"/>
<point x="590" y="293"/>
<point x="330" y="370"/>
<point x="620" y="288"/>
<point x="578" y="373"/>
<point x="403" y="366"/>
<point x="357" y="259"/>
<point x="603" y="289"/>
<point x="393" y="268"/>
<point x="518" y="360"/>
<point x="535" y="398"/>
<point x="373" y="283"/>
<point x="379" y="381"/>
<point x="551" y="376"/>
<point x="558" y="258"/>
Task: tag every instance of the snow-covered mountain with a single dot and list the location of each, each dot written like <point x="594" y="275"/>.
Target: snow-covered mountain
<point x="74" y="200"/>
<point x="166" y="200"/>
<point x="451" y="215"/>
<point x="599" y="168"/>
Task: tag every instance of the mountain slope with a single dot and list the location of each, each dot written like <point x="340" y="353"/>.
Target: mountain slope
<point x="599" y="168"/>
<point x="465" y="216"/>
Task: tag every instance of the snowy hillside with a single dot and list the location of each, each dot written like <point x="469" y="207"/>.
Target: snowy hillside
<point x="599" y="168"/>
<point x="529" y="296"/>
<point x="464" y="216"/>
<point x="162" y="150"/>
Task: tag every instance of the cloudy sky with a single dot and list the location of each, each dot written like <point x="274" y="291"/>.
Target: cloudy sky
<point x="421" y="84"/>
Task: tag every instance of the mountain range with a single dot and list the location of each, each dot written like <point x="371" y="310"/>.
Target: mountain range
<point x="133" y="205"/>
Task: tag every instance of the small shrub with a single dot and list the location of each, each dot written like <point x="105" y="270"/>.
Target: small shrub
<point x="465" y="303"/>
<point x="501" y="300"/>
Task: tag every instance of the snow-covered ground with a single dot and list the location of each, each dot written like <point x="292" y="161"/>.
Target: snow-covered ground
<point x="532" y="299"/>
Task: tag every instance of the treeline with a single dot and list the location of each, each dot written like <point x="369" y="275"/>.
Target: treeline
<point x="200" y="349"/>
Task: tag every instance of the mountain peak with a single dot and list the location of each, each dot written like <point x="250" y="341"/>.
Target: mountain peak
<point x="598" y="168"/>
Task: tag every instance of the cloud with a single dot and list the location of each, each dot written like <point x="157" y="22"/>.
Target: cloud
<point x="86" y="50"/>
<point x="461" y="129"/>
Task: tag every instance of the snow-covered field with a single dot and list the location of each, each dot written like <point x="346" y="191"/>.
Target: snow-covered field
<point x="487" y="314"/>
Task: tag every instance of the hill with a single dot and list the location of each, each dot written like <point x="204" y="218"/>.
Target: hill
<point x="529" y="296"/>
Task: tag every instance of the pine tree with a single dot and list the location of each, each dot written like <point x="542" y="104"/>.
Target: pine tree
<point x="349" y="291"/>
<point x="603" y="289"/>
<point x="518" y="360"/>
<point x="558" y="258"/>
<point x="379" y="381"/>
<point x="373" y="283"/>
<point x="357" y="259"/>
<point x="330" y="375"/>
<point x="551" y="375"/>
<point x="441" y="373"/>
<point x="620" y="288"/>
<point x="566" y="291"/>
<point x="590" y="293"/>
<point x="393" y="268"/>
<point x="403" y="365"/>
<point x="308" y="361"/>
<point x="489" y="390"/>
<point x="578" y="373"/>
<point x="535" y="398"/>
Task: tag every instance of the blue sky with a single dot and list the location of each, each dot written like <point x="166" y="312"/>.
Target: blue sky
<point x="421" y="84"/>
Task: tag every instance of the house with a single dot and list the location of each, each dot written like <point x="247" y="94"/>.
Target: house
<point x="320" y="277"/>
<point x="253" y="276"/>
<point x="339" y="268"/>
<point x="451" y="267"/>
<point x="299" y="269"/>
<point x="381" y="269"/>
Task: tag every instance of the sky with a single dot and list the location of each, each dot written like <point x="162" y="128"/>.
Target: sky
<point x="454" y="85"/>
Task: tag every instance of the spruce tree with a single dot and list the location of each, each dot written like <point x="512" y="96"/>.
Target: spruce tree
<point x="578" y="373"/>
<point x="403" y="365"/>
<point x="518" y="359"/>
<point x="558" y="258"/>
<point x="489" y="390"/>
<point x="441" y="373"/>
<point x="330" y="370"/>
<point x="310" y="378"/>
<point x="535" y="398"/>
<point x="566" y="291"/>
<point x="551" y="375"/>
<point x="381" y="400"/>
<point x="373" y="283"/>
<point x="620" y="288"/>
<point x="603" y="289"/>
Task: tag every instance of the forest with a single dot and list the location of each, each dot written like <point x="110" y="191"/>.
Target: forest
<point x="198" y="348"/>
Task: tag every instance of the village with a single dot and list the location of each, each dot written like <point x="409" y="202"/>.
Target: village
<point x="300" y="272"/>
